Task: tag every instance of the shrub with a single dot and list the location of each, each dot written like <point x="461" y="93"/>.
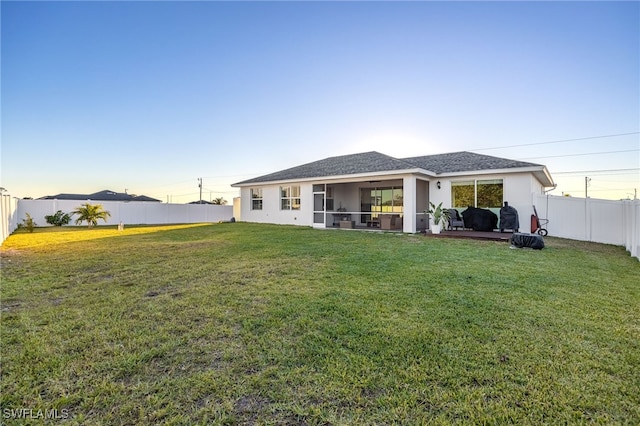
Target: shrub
<point x="58" y="219"/>
<point x="27" y="223"/>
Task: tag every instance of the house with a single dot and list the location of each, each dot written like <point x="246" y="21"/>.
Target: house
<point x="105" y="195"/>
<point x="373" y="190"/>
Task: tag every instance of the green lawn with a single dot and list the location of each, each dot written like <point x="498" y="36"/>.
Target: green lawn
<point x="240" y="323"/>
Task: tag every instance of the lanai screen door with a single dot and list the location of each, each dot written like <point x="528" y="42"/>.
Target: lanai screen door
<point x="319" y="206"/>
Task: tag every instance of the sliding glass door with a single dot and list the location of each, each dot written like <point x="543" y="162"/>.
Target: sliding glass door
<point x="376" y="201"/>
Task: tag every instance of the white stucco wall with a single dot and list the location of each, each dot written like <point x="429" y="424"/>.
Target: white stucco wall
<point x="271" y="212"/>
<point x="519" y="190"/>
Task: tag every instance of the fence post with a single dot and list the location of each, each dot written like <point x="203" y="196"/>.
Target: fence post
<point x="635" y="229"/>
<point x="587" y="219"/>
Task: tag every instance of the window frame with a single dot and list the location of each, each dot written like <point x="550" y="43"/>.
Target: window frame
<point x="384" y="200"/>
<point x="256" y="197"/>
<point x="476" y="183"/>
<point x="290" y="198"/>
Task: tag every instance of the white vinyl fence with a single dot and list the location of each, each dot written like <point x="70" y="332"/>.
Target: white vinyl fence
<point x="7" y="216"/>
<point x="127" y="213"/>
<point x="590" y="219"/>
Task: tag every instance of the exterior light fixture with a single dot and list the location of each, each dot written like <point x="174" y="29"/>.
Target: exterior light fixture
<point x="438" y="184"/>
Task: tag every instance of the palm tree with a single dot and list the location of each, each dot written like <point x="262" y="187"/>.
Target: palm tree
<point x="90" y="214"/>
<point x="220" y="201"/>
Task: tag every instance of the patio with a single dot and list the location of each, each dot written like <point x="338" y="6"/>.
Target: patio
<point x="473" y="235"/>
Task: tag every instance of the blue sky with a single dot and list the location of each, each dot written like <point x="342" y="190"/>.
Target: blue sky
<point x="151" y="96"/>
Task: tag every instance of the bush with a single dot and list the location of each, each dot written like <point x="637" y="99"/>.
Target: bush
<point x="27" y="223"/>
<point x="58" y="219"/>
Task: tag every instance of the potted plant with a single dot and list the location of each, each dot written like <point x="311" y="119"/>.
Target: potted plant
<point x="440" y="217"/>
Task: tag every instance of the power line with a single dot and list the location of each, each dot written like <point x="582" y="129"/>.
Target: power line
<point x="577" y="155"/>
<point x="596" y="171"/>
<point x="599" y="189"/>
<point x="558" y="141"/>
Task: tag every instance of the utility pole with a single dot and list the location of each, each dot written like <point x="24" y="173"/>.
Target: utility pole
<point x="200" y="186"/>
<point x="586" y="184"/>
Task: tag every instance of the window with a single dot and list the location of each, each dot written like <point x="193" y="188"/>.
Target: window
<point x="290" y="197"/>
<point x="398" y="200"/>
<point x="256" y="198"/>
<point x="478" y="193"/>
<point x="489" y="193"/>
<point x="463" y="194"/>
<point x="381" y="200"/>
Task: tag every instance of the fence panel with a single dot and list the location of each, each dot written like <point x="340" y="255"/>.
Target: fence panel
<point x="605" y="221"/>
<point x="601" y="221"/>
<point x="631" y="220"/>
<point x="7" y="216"/>
<point x="566" y="216"/>
<point x="130" y="213"/>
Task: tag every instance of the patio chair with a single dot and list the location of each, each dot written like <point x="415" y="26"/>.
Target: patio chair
<point x="455" y="220"/>
<point x="390" y="221"/>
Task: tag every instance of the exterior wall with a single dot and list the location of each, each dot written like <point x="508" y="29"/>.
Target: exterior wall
<point x="519" y="189"/>
<point x="346" y="195"/>
<point x="442" y="194"/>
<point x="129" y="213"/>
<point x="271" y="212"/>
<point x="410" y="219"/>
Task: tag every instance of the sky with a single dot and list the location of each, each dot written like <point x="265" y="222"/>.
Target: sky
<point x="148" y="97"/>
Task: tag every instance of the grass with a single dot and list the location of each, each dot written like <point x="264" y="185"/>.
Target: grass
<point x="262" y="324"/>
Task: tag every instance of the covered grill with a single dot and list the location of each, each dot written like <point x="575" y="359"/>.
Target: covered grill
<point x="509" y="218"/>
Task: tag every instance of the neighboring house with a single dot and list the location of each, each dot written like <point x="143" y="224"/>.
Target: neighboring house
<point x="373" y="190"/>
<point x="105" y="195"/>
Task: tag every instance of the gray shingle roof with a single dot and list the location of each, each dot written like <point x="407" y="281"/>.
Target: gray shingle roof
<point x="367" y="162"/>
<point x="371" y="162"/>
<point x="464" y="162"/>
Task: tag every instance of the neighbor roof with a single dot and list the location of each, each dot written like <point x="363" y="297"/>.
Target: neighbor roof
<point x="371" y="162"/>
<point x="105" y="195"/>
